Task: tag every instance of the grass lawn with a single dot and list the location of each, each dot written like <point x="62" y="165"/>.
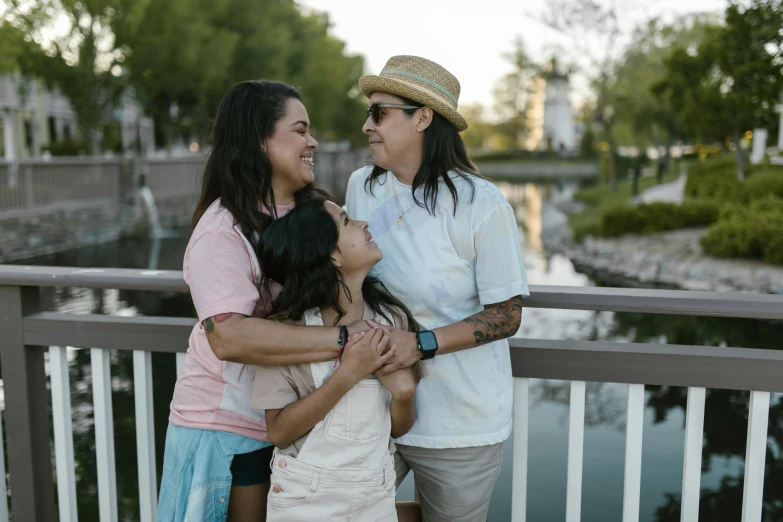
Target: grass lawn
<point x="598" y="198"/>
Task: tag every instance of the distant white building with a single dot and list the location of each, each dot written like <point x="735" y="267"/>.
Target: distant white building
<point x="551" y="114"/>
<point x="558" y="115"/>
<point x="34" y="117"/>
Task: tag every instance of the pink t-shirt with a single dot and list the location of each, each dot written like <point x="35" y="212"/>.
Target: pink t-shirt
<point x="224" y="276"/>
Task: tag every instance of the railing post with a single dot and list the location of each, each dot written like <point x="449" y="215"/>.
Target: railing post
<point x="27" y="412"/>
<point x="576" y="445"/>
<point x="3" y="489"/>
<point x="29" y="197"/>
<point x="519" y="459"/>
<point x="694" y="445"/>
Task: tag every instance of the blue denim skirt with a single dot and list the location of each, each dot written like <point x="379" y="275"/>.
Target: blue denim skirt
<point x="197" y="476"/>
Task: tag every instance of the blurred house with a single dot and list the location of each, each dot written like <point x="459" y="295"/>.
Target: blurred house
<point x="32" y="118"/>
<point x="35" y="119"/>
<point x="137" y="132"/>
<point x="551" y="114"/>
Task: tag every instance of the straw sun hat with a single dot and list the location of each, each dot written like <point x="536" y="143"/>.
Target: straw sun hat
<point x="419" y="80"/>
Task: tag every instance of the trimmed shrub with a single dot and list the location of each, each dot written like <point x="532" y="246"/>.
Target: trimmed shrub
<point x="773" y="248"/>
<point x="754" y="232"/>
<point x="67" y="147"/>
<point x="731" y="238"/>
<point x="657" y="217"/>
<point x="765" y="183"/>
<point x="699" y="213"/>
<point x="715" y="179"/>
<point x="621" y="220"/>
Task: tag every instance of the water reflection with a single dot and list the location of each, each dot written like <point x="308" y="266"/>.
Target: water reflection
<point x="535" y="207"/>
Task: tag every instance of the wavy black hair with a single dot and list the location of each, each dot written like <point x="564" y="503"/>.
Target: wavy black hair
<point x="443" y="151"/>
<point x="297" y="253"/>
<point x="238" y="171"/>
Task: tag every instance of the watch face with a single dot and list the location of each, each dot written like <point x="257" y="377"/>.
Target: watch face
<point x="427" y="341"/>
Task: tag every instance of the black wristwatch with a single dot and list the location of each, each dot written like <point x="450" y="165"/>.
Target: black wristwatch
<point x="428" y="344"/>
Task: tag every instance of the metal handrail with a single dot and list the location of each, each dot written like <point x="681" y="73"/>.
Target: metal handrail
<point x="638" y="300"/>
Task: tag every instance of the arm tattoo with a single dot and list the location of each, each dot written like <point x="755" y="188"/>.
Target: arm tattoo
<point x="209" y="323"/>
<point x="497" y="321"/>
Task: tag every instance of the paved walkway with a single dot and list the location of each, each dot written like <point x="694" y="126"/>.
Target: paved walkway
<point x="673" y="192"/>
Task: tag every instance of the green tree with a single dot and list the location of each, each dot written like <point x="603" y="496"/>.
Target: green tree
<point x="12" y="45"/>
<point x="175" y="59"/>
<point x="512" y="94"/>
<point x="478" y="131"/>
<point x="734" y="79"/>
<point x="186" y="54"/>
<point x="642" y="117"/>
<point x="328" y="78"/>
<point x="178" y="58"/>
<point x="78" y="62"/>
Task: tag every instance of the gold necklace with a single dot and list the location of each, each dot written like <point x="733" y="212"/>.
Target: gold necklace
<point x="400" y="212"/>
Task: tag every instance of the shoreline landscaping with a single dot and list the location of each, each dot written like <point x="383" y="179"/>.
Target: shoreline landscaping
<point x="745" y="218"/>
<point x="593" y="201"/>
<point x="725" y="235"/>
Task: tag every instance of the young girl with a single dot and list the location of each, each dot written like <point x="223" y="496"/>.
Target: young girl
<point x="331" y="422"/>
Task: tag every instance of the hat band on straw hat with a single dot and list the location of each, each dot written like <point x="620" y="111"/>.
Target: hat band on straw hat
<point x="435" y="96"/>
<point x="424" y="80"/>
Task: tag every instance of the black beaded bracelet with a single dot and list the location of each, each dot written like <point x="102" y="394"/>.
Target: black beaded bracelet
<point x="343" y="340"/>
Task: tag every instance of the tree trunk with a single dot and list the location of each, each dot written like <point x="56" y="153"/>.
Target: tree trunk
<point x="92" y="141"/>
<point x="669" y="158"/>
<point x="738" y="155"/>
<point x="658" y="161"/>
<point x="612" y="169"/>
<point x="95" y="146"/>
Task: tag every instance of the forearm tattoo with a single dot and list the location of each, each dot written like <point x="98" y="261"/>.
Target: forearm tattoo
<point x="497" y="321"/>
<point x="209" y="322"/>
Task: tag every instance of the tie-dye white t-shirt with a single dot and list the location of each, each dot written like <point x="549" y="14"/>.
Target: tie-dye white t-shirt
<point x="445" y="268"/>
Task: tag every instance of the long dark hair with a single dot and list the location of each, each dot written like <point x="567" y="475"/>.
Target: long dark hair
<point x="443" y="151"/>
<point x="297" y="253"/>
<point x="238" y="171"/>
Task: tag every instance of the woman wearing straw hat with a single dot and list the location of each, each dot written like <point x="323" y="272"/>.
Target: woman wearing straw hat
<point x="453" y="255"/>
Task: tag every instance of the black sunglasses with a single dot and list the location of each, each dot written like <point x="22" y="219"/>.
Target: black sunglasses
<point x="374" y="110"/>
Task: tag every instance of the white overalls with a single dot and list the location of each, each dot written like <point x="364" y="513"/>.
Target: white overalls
<point x="344" y="471"/>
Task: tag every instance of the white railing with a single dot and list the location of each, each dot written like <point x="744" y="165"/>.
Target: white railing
<point x="104" y="434"/>
<point x="714" y="362"/>
<point x="34" y="186"/>
<point x="63" y="432"/>
<point x="754" y="459"/>
<point x="105" y="449"/>
<point x="698" y="368"/>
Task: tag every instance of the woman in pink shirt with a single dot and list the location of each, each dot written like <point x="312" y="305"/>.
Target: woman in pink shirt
<point x="259" y="167"/>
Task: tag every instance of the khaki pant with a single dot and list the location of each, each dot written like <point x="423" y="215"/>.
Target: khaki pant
<point x="453" y="484"/>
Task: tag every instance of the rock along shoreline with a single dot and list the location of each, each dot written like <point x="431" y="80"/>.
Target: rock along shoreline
<point x="674" y="259"/>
